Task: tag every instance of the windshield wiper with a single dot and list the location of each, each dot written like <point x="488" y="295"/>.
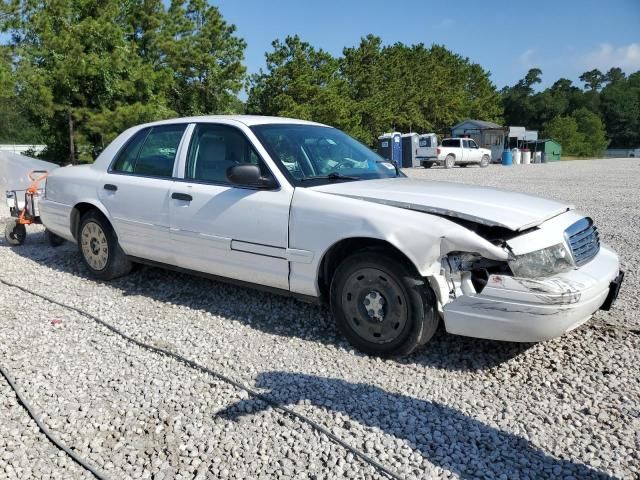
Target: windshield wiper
<point x="331" y="176"/>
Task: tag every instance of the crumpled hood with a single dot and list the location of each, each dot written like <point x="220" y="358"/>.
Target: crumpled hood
<point x="488" y="206"/>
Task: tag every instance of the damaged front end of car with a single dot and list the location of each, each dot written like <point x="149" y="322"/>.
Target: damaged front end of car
<point x="552" y="278"/>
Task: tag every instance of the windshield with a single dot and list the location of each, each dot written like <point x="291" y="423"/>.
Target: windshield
<point x="313" y="154"/>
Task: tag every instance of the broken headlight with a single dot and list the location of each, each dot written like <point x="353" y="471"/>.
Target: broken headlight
<point x="542" y="263"/>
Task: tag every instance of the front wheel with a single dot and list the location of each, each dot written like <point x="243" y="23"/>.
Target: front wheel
<point x="15" y="233"/>
<point x="484" y="163"/>
<point x="381" y="306"/>
<point x="99" y="247"/>
<point x="449" y="161"/>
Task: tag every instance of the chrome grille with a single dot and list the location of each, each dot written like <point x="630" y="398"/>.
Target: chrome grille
<point x="583" y="240"/>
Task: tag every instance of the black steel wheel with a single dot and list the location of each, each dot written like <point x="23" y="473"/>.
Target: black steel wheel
<point x="15" y="233"/>
<point x="382" y="306"/>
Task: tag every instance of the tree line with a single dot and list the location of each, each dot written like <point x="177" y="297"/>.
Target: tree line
<point x="75" y="73"/>
<point x="605" y="112"/>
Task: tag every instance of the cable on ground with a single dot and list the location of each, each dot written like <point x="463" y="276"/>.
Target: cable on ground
<point x="190" y="363"/>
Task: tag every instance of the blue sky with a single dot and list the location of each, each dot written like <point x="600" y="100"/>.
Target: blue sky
<point x="562" y="37"/>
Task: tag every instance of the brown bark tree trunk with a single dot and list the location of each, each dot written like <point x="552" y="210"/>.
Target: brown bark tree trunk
<point x="72" y="147"/>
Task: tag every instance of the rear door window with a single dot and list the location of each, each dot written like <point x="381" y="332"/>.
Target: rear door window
<point x="129" y="154"/>
<point x="151" y="152"/>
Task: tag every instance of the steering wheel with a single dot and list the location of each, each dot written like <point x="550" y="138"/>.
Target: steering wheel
<point x="345" y="164"/>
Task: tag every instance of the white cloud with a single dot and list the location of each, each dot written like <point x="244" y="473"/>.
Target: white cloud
<point x="526" y="59"/>
<point x="605" y="56"/>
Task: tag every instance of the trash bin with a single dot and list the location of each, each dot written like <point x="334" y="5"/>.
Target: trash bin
<point x="409" y="150"/>
<point x="526" y="156"/>
<point x="538" y="157"/>
<point x="507" y="158"/>
<point x="517" y="156"/>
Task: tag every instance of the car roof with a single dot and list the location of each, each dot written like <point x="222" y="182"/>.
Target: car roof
<point x="248" y="120"/>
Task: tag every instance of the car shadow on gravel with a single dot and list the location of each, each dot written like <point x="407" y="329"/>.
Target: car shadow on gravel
<point x="267" y="312"/>
<point x="443" y="436"/>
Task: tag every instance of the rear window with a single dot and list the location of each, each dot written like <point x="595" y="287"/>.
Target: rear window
<point x="451" y="143"/>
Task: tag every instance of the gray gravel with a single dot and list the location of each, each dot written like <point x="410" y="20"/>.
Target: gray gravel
<point x="460" y="408"/>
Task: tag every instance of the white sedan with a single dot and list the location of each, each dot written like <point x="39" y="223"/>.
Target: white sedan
<point x="303" y="209"/>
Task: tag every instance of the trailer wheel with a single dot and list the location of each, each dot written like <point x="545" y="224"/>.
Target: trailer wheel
<point x="53" y="239"/>
<point x="15" y="233"/>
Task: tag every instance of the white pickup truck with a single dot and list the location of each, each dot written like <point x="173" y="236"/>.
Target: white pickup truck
<point x="463" y="152"/>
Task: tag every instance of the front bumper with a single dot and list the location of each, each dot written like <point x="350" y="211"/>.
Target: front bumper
<point x="533" y="310"/>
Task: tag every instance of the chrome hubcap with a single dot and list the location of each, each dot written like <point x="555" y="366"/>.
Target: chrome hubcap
<point x="95" y="248"/>
<point x="374" y="305"/>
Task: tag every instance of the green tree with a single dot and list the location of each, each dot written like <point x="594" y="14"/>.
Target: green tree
<point x="620" y="105"/>
<point x="6" y="73"/>
<point x="519" y="104"/>
<point x="592" y="129"/>
<point x="205" y="56"/>
<point x="582" y="133"/>
<point x="86" y="70"/>
<point x="565" y="131"/>
<point x="593" y="79"/>
<point x="302" y="82"/>
<point x="614" y="75"/>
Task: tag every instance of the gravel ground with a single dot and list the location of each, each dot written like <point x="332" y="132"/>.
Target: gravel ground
<point x="460" y="408"/>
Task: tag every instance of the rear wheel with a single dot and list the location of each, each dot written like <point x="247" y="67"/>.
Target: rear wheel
<point x="99" y="247"/>
<point x="427" y="164"/>
<point x="15" y="233"/>
<point x="484" y="163"/>
<point x="449" y="161"/>
<point x="53" y="239"/>
<point x="381" y="306"/>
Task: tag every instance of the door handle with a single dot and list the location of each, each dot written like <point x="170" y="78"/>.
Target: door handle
<point x="182" y="196"/>
<point x="110" y="186"/>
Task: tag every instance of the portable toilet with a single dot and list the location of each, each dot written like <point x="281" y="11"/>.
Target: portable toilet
<point x="427" y="149"/>
<point x="410" y="150"/>
<point x="390" y="147"/>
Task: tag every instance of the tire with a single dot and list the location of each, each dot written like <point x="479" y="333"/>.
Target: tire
<point x="449" y="161"/>
<point x="53" y="239"/>
<point x="463" y="165"/>
<point x="99" y="248"/>
<point x="15" y="233"/>
<point x="396" y="327"/>
<point x="484" y="163"/>
<point x="427" y="164"/>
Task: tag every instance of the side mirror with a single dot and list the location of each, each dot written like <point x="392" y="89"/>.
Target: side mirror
<point x="249" y="175"/>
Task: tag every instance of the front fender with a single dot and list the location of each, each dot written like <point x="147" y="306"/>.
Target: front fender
<point x="319" y="220"/>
